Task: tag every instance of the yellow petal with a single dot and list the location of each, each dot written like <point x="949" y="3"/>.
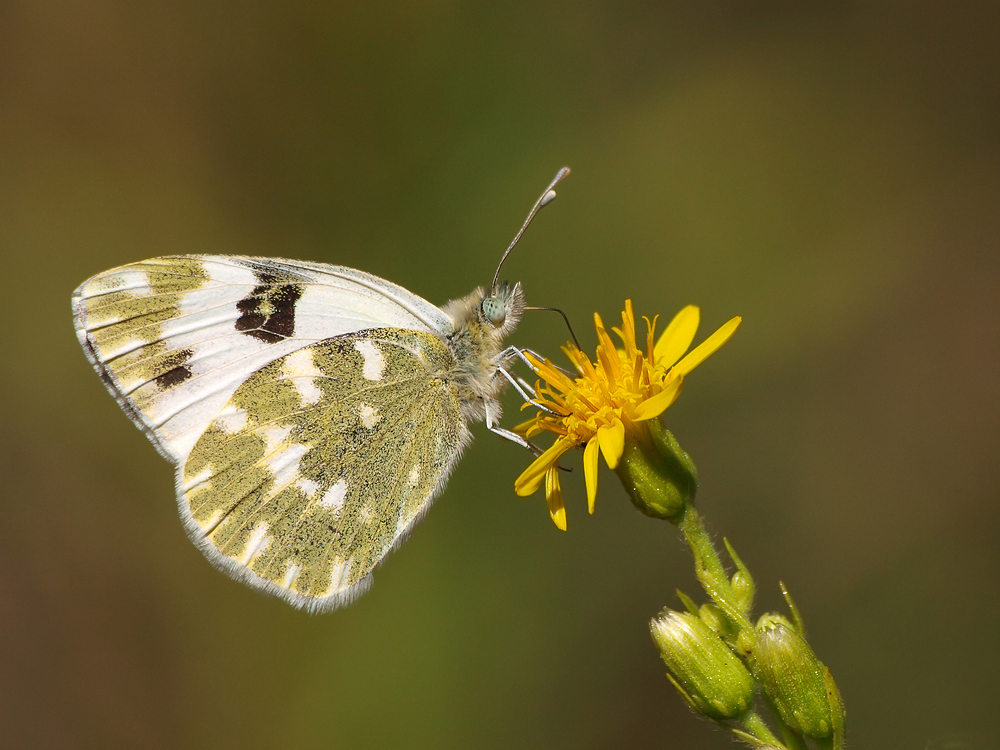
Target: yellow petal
<point x="522" y="429"/>
<point x="650" y="327"/>
<point x="531" y="478"/>
<point x="590" y="465"/>
<point x="554" y="498"/>
<point x="549" y="373"/>
<point x="583" y="364"/>
<point x="612" y="442"/>
<point x="656" y="405"/>
<point x="707" y="347"/>
<point x="678" y="336"/>
<point x="607" y="353"/>
<point x="627" y="332"/>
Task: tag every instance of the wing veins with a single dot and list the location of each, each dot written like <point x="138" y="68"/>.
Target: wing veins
<point x="388" y="498"/>
<point x="311" y="409"/>
<point x="273" y="495"/>
<point x="192" y="380"/>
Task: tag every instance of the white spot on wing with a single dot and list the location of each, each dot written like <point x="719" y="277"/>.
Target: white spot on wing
<point x="333" y="498"/>
<point x="414" y="475"/>
<point x="257" y="543"/>
<point x="291" y="574"/>
<point x="213" y="521"/>
<point x="339" y="576"/>
<point x="285" y="464"/>
<point x="369" y="415"/>
<point x="275" y="437"/>
<point x="130" y="280"/>
<point x="136" y="282"/>
<point x="299" y="367"/>
<point x="374" y="360"/>
<point x="404" y="521"/>
<point x="308" y="486"/>
<point x="231" y="420"/>
<point x="118" y="350"/>
<point x="201" y="477"/>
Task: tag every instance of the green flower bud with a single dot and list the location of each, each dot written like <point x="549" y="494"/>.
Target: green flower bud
<point x="743" y="590"/>
<point x="796" y="681"/>
<point x="741" y="583"/>
<point x="713" y="617"/>
<point x="707" y="674"/>
<point x="658" y="475"/>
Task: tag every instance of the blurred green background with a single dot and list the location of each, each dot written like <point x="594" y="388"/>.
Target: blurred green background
<point x="830" y="171"/>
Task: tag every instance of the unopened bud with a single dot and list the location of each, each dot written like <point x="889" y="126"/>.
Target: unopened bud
<point x="713" y="617"/>
<point x="658" y="475"/>
<point x="741" y="583"/>
<point x="743" y="589"/>
<point x="796" y="681"/>
<point x="707" y="674"/>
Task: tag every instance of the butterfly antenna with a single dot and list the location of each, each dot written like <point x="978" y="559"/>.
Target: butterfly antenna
<point x="547" y="197"/>
<point x="564" y="317"/>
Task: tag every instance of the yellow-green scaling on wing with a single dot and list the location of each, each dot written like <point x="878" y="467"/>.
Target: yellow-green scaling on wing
<point x="323" y="460"/>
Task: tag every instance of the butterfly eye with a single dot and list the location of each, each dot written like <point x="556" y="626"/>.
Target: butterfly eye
<point x="495" y="310"/>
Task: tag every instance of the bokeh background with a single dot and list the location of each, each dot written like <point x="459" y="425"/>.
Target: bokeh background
<point x="830" y="171"/>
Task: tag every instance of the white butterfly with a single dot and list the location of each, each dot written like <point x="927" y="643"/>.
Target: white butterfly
<point x="313" y="412"/>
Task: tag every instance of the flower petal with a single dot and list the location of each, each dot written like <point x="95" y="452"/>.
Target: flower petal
<point x="607" y="353"/>
<point x="591" y="454"/>
<point x="628" y="330"/>
<point x="549" y="373"/>
<point x="531" y="478"/>
<point x="612" y="442"/>
<point x="678" y="336"/>
<point x="523" y="428"/>
<point x="554" y="498"/>
<point x="707" y="347"/>
<point x="656" y="405"/>
<point x="650" y="327"/>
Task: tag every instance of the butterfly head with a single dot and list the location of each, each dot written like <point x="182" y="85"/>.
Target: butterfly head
<point x="501" y="307"/>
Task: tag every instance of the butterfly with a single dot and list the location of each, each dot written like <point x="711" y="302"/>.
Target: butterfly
<point x="313" y="412"/>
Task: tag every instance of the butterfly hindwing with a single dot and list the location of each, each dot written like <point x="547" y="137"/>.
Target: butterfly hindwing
<point x="174" y="337"/>
<point x="322" y="460"/>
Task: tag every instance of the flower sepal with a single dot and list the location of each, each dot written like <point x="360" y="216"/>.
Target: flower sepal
<point x="798" y="684"/>
<point x="703" y="669"/>
<point x="659" y="476"/>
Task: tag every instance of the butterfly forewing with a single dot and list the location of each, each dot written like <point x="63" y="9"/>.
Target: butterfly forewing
<point x="174" y="337"/>
<point x="321" y="462"/>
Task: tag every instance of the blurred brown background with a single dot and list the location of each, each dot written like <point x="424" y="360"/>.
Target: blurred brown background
<point x="830" y="172"/>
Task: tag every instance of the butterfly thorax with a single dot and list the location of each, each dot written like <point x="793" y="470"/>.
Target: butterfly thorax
<point x="481" y="320"/>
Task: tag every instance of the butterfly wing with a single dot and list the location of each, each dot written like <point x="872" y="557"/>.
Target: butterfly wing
<point x="300" y="402"/>
<point x="322" y="461"/>
<point x="174" y="337"/>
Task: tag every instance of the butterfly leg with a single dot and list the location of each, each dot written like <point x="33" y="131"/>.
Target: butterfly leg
<point x="540" y="358"/>
<point x="525" y="391"/>
<point x="512" y="352"/>
<point x="493" y="427"/>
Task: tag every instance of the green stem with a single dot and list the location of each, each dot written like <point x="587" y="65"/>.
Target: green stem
<point x="709" y="569"/>
<point x="756" y="727"/>
<point x="708" y="566"/>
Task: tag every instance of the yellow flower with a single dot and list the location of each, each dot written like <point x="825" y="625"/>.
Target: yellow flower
<point x="611" y="397"/>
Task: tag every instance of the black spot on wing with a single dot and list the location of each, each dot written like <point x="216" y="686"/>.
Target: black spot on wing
<point x="178" y="371"/>
<point x="268" y="313"/>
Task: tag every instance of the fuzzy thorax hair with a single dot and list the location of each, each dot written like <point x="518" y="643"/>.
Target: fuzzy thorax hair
<point x="480" y="322"/>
